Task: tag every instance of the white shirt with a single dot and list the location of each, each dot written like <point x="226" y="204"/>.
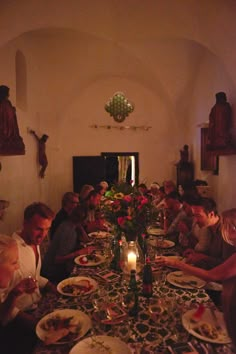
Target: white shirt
<point x="27" y="263"/>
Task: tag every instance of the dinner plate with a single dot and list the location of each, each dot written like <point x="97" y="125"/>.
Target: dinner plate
<point x="77" y="286"/>
<point x="100" y="345"/>
<point x="205" y="329"/>
<point x="77" y="322"/>
<point x="185" y="281"/>
<point x="99" y="234"/>
<point x="155" y="231"/>
<point x="84" y="260"/>
<point x="161" y="244"/>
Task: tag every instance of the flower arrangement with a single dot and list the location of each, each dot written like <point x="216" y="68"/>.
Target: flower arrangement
<point x="127" y="210"/>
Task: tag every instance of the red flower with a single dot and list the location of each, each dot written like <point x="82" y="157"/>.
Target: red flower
<point x="121" y="220"/>
<point x="127" y="198"/>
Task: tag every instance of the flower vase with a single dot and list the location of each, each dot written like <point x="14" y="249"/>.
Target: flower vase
<point x="131" y="257"/>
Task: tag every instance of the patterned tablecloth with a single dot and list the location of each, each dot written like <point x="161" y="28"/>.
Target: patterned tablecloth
<point x="141" y="327"/>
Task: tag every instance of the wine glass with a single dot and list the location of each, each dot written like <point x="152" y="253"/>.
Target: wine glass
<point x="128" y="301"/>
<point x="160" y="242"/>
<point x="156" y="309"/>
<point x="159" y="280"/>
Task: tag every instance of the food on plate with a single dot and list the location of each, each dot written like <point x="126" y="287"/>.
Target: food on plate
<point x="58" y="327"/>
<point x="197" y="315"/>
<point x="205" y="329"/>
<point x="163" y="244"/>
<point x="79" y="287"/>
<point x="89" y="258"/>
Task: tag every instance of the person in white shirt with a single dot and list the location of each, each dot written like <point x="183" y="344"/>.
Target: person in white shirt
<point x="37" y="222"/>
<point x="16" y="336"/>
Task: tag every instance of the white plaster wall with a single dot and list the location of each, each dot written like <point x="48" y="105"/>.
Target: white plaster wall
<point x="169" y="57"/>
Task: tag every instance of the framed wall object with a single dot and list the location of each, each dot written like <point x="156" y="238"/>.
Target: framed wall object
<point x="209" y="160"/>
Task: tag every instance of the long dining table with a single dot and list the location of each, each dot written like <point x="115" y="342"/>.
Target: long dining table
<point x="142" y="333"/>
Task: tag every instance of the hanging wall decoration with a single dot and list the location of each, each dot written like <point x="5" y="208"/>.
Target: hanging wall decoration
<point x="11" y="143"/>
<point x="119" y="107"/>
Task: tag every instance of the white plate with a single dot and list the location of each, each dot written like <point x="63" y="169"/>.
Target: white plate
<point x="161" y="244"/>
<point x="79" y="318"/>
<point x="90" y="263"/>
<point x="155" y="231"/>
<point x="74" y="281"/>
<point x="192" y="328"/>
<point x="100" y="234"/>
<point x="185" y="281"/>
<point x="101" y="345"/>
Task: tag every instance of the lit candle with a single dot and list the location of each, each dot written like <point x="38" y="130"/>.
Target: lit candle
<point x="132" y="258"/>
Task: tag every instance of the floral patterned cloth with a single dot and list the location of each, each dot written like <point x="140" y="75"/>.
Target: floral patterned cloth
<point x="141" y="327"/>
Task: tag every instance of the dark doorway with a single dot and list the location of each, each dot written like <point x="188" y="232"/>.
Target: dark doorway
<point x="87" y="170"/>
<point x="94" y="169"/>
<point x="112" y="166"/>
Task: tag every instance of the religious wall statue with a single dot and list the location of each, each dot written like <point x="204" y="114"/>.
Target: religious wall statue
<point x="184" y="154"/>
<point x="42" y="157"/>
<point x="185" y="170"/>
<point x="220" y="121"/>
<point x="11" y="142"/>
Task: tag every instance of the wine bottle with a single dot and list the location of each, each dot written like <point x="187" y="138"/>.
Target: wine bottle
<point x="115" y="263"/>
<point x="133" y="289"/>
<point x="147" y="279"/>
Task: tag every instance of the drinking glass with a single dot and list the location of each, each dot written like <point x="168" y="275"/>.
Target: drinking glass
<point x="159" y="280"/>
<point x="156" y="309"/>
<point x="160" y="239"/>
<point x="128" y="301"/>
<point x="30" y="284"/>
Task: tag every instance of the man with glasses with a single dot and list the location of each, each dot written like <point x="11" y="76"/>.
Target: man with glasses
<point x="70" y="200"/>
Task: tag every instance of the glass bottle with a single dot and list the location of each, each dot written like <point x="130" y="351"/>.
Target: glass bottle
<point x="115" y="263"/>
<point x="133" y="290"/>
<point x="147" y="279"/>
<point x="123" y="251"/>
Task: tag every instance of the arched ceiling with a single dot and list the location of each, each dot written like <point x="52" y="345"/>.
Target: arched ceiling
<point x="210" y="23"/>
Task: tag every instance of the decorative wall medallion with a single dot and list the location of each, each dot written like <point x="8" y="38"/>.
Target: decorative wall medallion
<point x="119" y="107"/>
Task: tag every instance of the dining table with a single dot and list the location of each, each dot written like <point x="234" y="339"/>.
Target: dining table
<point x="144" y="332"/>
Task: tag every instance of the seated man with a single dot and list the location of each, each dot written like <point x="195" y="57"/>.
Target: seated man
<point x="205" y="215"/>
<point x="67" y="244"/>
<point x="192" y="236"/>
<point x="69" y="201"/>
<point x="37" y="222"/>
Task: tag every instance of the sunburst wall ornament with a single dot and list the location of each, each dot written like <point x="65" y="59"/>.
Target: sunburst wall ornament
<point x="119" y="107"/>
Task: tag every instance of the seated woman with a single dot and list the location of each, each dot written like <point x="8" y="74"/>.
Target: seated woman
<point x="67" y="244"/>
<point x="91" y="207"/>
<point x="17" y="329"/>
<point x="225" y="272"/>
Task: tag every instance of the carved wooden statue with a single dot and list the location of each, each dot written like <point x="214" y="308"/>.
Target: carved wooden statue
<point x="11" y="142"/>
<point x="42" y="157"/>
<point x="220" y="121"/>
